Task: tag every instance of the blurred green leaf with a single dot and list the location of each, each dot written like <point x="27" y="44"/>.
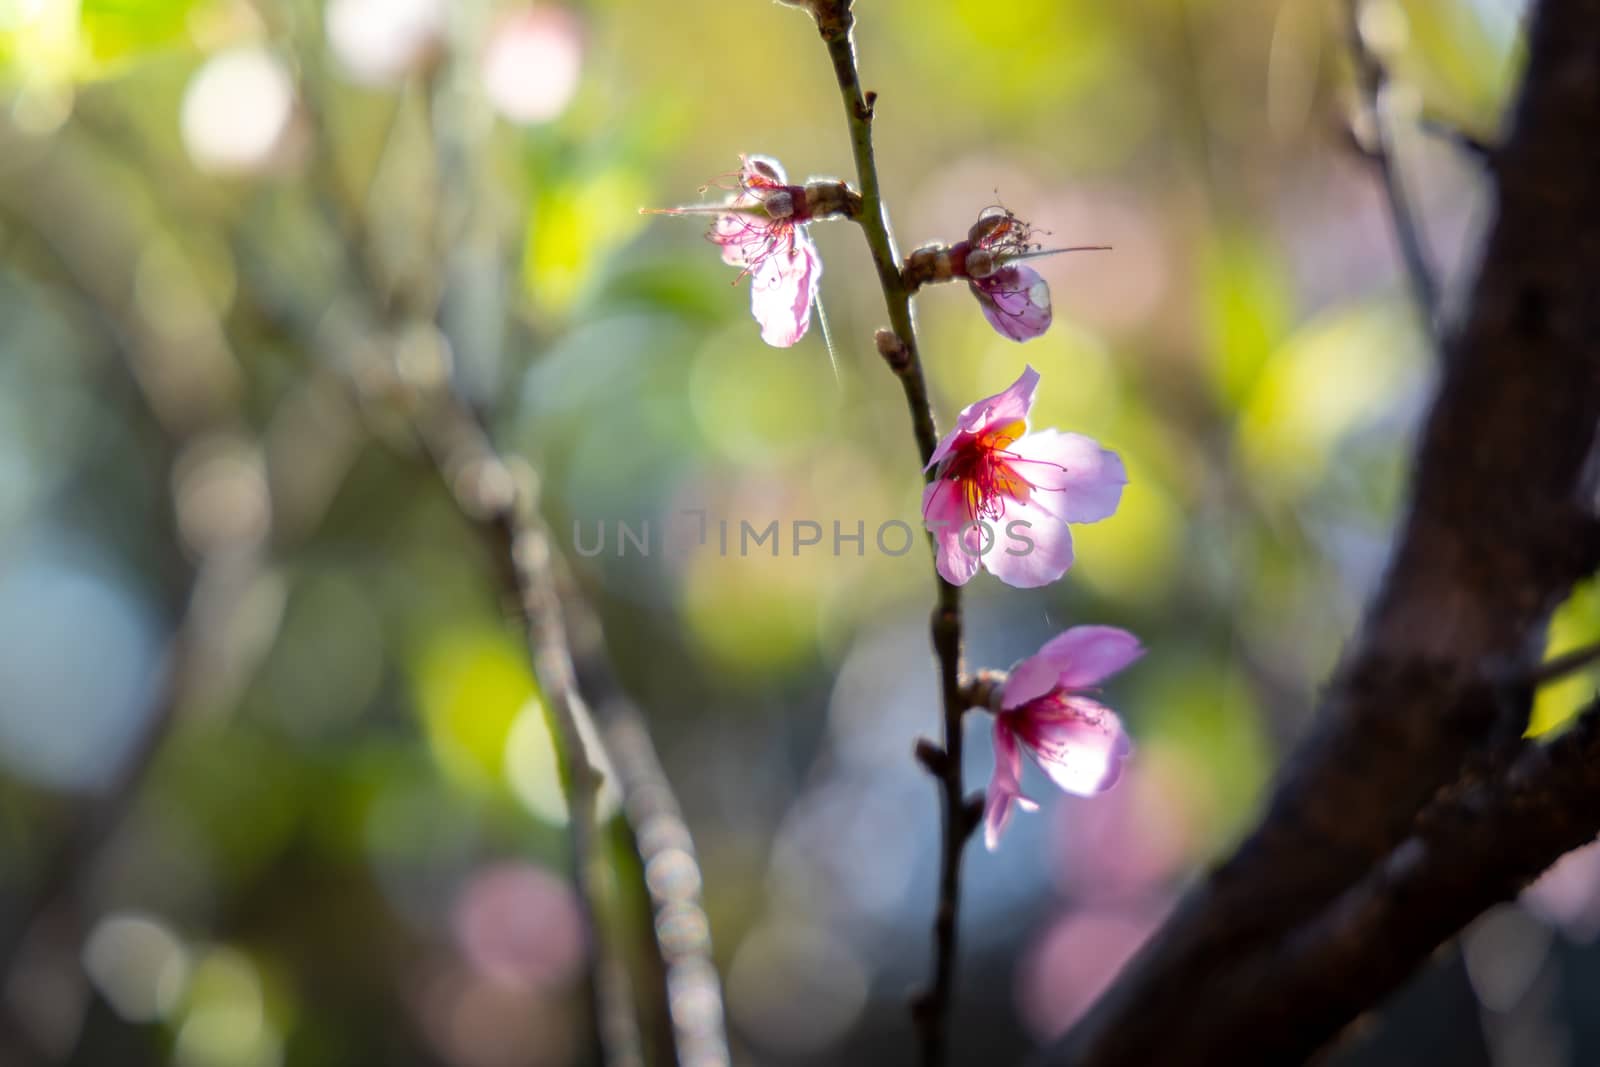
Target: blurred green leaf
<point x="1248" y="308"/>
<point x="1463" y="61"/>
<point x="471" y="685"/>
<point x="116" y="30"/>
<point x="573" y="226"/>
<point x="1575" y="624"/>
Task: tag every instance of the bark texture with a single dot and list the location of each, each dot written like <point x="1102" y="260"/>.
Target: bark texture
<point x="1413" y="804"/>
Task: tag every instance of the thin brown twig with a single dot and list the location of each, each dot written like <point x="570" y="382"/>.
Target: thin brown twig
<point x="681" y="930"/>
<point x="503" y="509"/>
<point x="931" y="1008"/>
<point x="489" y="495"/>
<point x="1372" y="82"/>
<point x="1567" y="663"/>
<point x="485" y="491"/>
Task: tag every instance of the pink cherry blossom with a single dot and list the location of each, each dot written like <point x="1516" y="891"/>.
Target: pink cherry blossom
<point x="1014" y="298"/>
<point x="760" y="232"/>
<point x="1002" y="497"/>
<point x="1044" y="709"/>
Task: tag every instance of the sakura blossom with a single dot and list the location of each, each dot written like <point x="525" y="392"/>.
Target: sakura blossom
<point x="1045" y="709"/>
<point x="532" y="63"/>
<point x="240" y="116"/>
<point x="760" y="232"/>
<point x="1013" y="296"/>
<point x="381" y="42"/>
<point x="1002" y="497"/>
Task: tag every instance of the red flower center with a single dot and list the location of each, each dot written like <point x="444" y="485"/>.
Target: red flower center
<point x="985" y="468"/>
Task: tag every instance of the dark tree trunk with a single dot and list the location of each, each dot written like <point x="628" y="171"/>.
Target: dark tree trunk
<point x="1413" y="804"/>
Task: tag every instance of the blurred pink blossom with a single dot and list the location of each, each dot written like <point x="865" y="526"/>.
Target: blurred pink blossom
<point x="240" y="115"/>
<point x="532" y="62"/>
<point x="993" y="472"/>
<point x="380" y="42"/>
<point x="520" y="925"/>
<point x="1074" y="962"/>
<point x="1015" y="300"/>
<point x="1076" y="740"/>
<point x="1568" y="894"/>
<point x="759" y="231"/>
<point x="1135" y="841"/>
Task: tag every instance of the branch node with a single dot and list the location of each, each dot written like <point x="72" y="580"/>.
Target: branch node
<point x="983" y="689"/>
<point x="971" y="815"/>
<point x="893" y="350"/>
<point x="935" y="759"/>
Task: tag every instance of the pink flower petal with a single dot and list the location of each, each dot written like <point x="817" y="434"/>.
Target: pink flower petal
<point x="1078" y="742"/>
<point x="944" y="511"/>
<point x="1086" y="655"/>
<point x="1032" y="547"/>
<point x="1029" y="679"/>
<point x="1015" y="300"/>
<point x="1085" y="480"/>
<point x="782" y="288"/>
<point x="742" y="238"/>
<point x="1005" y="785"/>
<point x="1011" y="404"/>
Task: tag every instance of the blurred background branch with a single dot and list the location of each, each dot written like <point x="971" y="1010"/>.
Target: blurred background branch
<point x="1501" y="527"/>
<point x="1375" y="137"/>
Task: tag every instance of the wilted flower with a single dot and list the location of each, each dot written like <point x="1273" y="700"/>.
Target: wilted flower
<point x="760" y="232"/>
<point x="1075" y="739"/>
<point x="1014" y="298"/>
<point x="991" y="472"/>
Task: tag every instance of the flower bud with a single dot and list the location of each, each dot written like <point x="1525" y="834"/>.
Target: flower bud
<point x="892" y="349"/>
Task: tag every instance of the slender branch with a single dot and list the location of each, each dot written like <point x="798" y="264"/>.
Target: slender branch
<point x="1471" y="145"/>
<point x="1372" y="81"/>
<point x="680" y="928"/>
<point x="1563" y="665"/>
<point x="505" y="513"/>
<point x="571" y="660"/>
<point x="931" y="1009"/>
<point x="1500" y="525"/>
<point x="462" y="451"/>
<point x="487" y="493"/>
